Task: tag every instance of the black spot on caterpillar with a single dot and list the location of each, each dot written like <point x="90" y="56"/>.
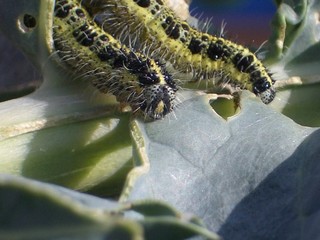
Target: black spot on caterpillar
<point x="206" y="56"/>
<point x="87" y="50"/>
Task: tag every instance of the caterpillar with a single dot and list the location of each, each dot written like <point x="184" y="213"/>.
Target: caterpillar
<point x="206" y="56"/>
<point x="86" y="49"/>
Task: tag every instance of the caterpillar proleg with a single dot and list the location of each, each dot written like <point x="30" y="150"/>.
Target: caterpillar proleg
<point x="156" y="26"/>
<point x="86" y="49"/>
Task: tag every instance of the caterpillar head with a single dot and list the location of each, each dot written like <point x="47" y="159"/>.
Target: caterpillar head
<point x="264" y="88"/>
<point x="158" y="100"/>
<point x="268" y="95"/>
<point x="158" y="89"/>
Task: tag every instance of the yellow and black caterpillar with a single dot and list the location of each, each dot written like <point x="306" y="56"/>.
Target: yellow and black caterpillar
<point x="90" y="52"/>
<point x="154" y="26"/>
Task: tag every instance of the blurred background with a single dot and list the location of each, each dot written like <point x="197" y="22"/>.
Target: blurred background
<point x="247" y="22"/>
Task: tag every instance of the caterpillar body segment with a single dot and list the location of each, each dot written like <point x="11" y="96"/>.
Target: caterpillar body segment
<point x="88" y="51"/>
<point x="154" y="26"/>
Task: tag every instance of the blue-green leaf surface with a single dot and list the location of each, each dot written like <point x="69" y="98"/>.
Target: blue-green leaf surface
<point x="242" y="176"/>
<point x="34" y="210"/>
